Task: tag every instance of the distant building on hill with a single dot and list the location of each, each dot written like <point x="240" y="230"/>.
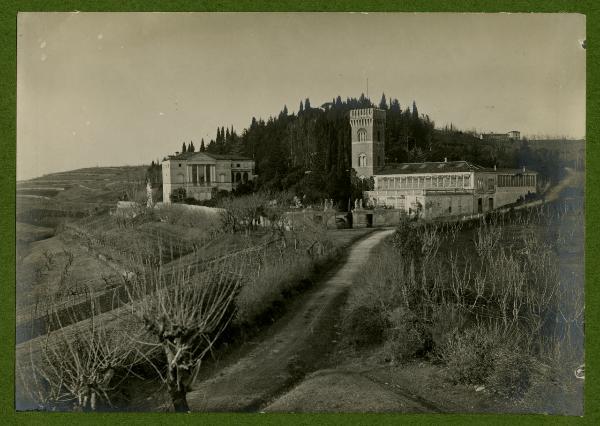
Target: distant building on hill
<point x="202" y="173"/>
<point x="428" y="189"/>
<point x="513" y="135"/>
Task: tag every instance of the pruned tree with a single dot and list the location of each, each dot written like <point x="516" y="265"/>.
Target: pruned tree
<point x="185" y="312"/>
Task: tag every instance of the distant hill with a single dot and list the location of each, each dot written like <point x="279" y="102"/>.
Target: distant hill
<point x="75" y="192"/>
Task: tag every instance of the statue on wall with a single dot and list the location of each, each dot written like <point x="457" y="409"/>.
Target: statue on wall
<point x="149" y="202"/>
<point x="360" y="203"/>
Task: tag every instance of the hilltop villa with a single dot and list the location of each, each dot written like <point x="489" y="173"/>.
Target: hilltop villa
<point x="202" y="173"/>
<point x="430" y="189"/>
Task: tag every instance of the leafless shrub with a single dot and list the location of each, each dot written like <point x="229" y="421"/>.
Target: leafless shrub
<point x="76" y="366"/>
<point x="430" y="242"/>
<point x="49" y="259"/>
<point x="488" y="237"/>
<point x="488" y="308"/>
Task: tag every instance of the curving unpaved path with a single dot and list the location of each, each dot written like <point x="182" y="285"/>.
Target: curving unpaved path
<point x="296" y="345"/>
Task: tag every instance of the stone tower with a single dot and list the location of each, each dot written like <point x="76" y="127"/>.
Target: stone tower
<point x="368" y="140"/>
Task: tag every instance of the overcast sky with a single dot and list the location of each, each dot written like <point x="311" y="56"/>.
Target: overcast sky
<point x="122" y="88"/>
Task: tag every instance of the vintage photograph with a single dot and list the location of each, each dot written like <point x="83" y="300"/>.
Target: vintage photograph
<point x="300" y="212"/>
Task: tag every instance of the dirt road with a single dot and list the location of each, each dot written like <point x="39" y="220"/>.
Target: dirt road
<point x="295" y="346"/>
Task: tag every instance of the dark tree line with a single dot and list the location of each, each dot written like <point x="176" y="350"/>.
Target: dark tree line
<point x="310" y="152"/>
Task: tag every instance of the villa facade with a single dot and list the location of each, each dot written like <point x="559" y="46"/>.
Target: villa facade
<point x="201" y="173"/>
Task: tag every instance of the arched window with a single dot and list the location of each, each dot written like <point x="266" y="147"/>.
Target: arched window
<point x="362" y="135"/>
<point x="362" y="160"/>
<point x="222" y="177"/>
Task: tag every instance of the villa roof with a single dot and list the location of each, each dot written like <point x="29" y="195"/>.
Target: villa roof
<point x="428" y="167"/>
<point x="442" y="167"/>
<point x="229" y="157"/>
<point x="197" y="155"/>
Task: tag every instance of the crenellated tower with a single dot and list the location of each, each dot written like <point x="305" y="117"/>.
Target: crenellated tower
<point x="368" y="140"/>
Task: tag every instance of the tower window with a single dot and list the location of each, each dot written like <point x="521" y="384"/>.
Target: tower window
<point x="362" y="135"/>
<point x="362" y="160"/>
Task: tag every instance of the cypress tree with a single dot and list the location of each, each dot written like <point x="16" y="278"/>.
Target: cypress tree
<point x="183" y="148"/>
<point x="202" y="147"/>
<point x="301" y="109"/>
<point x="307" y="104"/>
<point x="383" y="102"/>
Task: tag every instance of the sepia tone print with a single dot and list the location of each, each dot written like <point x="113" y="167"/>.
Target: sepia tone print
<point x="300" y="212"/>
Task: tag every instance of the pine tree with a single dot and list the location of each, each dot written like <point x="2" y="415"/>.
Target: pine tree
<point x="383" y="102"/>
<point x="415" y="111"/>
<point x="183" y="148"/>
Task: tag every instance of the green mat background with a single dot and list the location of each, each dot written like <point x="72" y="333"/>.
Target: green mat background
<point x="8" y="15"/>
